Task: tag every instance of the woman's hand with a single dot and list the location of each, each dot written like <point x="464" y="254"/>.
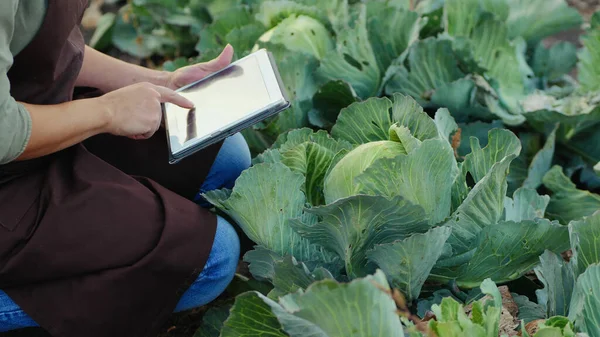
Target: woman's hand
<point x="186" y="75"/>
<point x="109" y="74"/>
<point x="135" y="111"/>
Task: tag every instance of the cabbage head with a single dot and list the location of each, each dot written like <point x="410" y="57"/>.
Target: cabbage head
<point x="340" y="182"/>
<point x="299" y="34"/>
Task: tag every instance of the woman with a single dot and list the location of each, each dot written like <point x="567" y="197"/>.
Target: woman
<point x="99" y="235"/>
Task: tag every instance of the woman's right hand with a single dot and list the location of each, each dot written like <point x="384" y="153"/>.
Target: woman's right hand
<point x="135" y="111"/>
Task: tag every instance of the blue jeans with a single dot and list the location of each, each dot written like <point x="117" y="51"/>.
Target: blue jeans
<point x="233" y="158"/>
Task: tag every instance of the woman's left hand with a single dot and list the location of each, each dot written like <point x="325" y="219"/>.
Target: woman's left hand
<point x="186" y="75"/>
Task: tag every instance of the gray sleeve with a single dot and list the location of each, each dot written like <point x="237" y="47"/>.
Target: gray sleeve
<point x="15" y="121"/>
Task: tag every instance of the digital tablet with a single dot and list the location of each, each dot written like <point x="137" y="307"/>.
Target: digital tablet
<point x="246" y="92"/>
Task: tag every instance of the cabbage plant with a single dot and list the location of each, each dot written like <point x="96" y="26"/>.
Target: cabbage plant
<point x="386" y="190"/>
<point x="369" y="307"/>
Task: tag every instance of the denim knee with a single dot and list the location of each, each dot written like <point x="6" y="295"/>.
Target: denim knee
<point x="238" y="158"/>
<point x="218" y="271"/>
<point x="233" y="158"/>
<point x="12" y="317"/>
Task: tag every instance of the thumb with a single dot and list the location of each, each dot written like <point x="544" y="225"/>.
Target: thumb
<point x="222" y="61"/>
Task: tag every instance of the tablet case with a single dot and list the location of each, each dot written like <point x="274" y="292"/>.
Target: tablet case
<point x="223" y="134"/>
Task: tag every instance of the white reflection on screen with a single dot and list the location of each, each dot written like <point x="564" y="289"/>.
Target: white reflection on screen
<point x="220" y="101"/>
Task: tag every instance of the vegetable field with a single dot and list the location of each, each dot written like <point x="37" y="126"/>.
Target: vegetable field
<point x="438" y="173"/>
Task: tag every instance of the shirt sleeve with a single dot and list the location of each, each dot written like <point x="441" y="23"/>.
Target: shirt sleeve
<point x="15" y="121"/>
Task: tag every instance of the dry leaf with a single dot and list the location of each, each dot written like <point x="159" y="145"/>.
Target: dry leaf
<point x="533" y="326"/>
<point x="508" y="318"/>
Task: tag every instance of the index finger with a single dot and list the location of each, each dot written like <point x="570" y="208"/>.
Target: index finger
<point x="170" y="96"/>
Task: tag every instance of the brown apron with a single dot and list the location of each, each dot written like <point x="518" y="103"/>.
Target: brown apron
<point x="99" y="239"/>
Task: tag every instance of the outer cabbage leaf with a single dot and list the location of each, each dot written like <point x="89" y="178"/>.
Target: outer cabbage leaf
<point x="432" y="18"/>
<point x="460" y="189"/>
<point x="263" y="199"/>
<point x="242" y="39"/>
<point x="272" y="13"/>
<point x="402" y="135"/>
<point x="484" y="204"/>
<point x="487" y="50"/>
<point x="494" y="52"/>
<point x="431" y="64"/>
<point x="541" y="163"/>
<point x="531" y="143"/>
<point x="461" y="98"/>
<point x="554" y="62"/>
<point x="334" y="12"/>
<point x="266" y="265"/>
<point x="585" y="305"/>
<point x="391" y="31"/>
<point x="251" y="316"/>
<point x="585" y="242"/>
<point x="297" y="73"/>
<point x="364" y="122"/>
<point x="502" y="143"/>
<point x="293" y="138"/>
<point x="217" y="8"/>
<point x="407" y="263"/>
<point x="425" y="7"/>
<point x="461" y="16"/>
<point x="482" y="207"/>
<point x="525" y="20"/>
<point x="325" y="309"/>
<point x="214" y="36"/>
<point x="413" y="125"/>
<point x="343" y="313"/>
<point x="351" y="226"/>
<point x="528" y="311"/>
<point x="478" y="130"/>
<point x="262" y="262"/>
<point x="331" y="97"/>
<point x="407" y="112"/>
<point x="301" y="34"/>
<point x="533" y="162"/>
<point x="589" y="58"/>
<point x="508" y="250"/>
<point x="576" y="113"/>
<point x="424" y="177"/>
<point x="212" y="321"/>
<point x="291" y="275"/>
<point x="526" y="204"/>
<point x="579" y="118"/>
<point x="424" y="304"/>
<point x="499" y="8"/>
<point x="595" y="20"/>
<point x="567" y="203"/>
<point x="445" y="124"/>
<point x="353" y="60"/>
<point x="585" y="143"/>
<point x="559" y="280"/>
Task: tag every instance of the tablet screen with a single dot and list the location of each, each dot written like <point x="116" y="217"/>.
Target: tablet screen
<point x="221" y="100"/>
